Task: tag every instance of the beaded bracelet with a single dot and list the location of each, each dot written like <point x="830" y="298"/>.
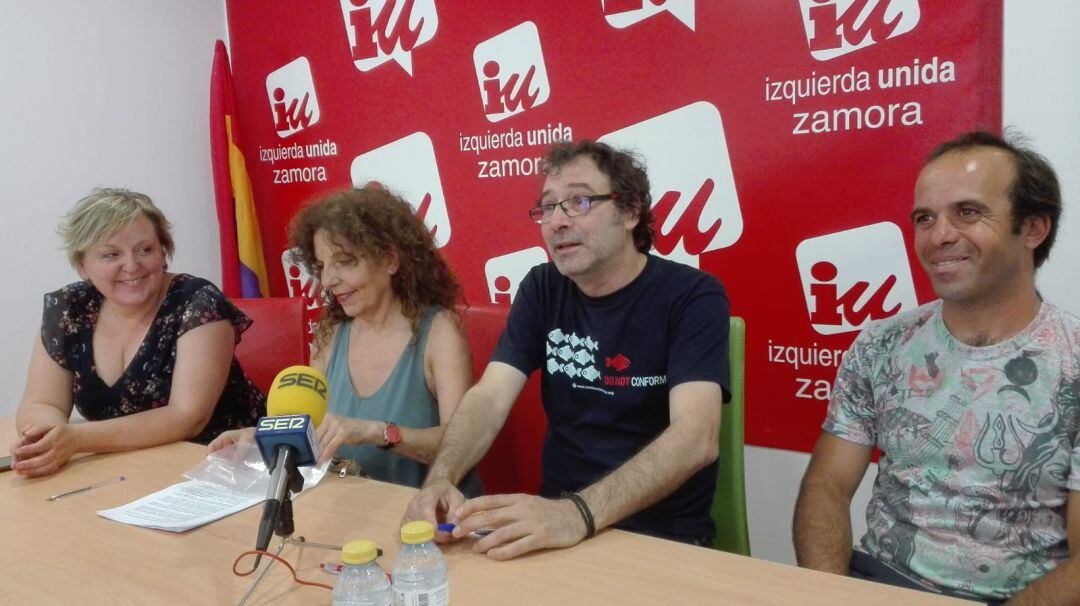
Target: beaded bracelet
<point x="583" y="509"/>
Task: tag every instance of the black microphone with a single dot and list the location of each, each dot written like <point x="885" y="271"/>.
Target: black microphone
<point x="287" y="442"/>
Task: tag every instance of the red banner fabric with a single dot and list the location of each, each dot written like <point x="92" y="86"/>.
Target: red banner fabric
<point x="782" y="140"/>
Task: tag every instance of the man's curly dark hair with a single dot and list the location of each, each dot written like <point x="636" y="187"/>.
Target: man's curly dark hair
<point x="628" y="179"/>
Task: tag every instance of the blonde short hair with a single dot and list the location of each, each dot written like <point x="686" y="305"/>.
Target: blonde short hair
<point x="102" y="213"/>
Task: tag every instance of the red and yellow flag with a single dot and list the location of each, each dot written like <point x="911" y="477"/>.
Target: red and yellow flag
<point x="243" y="269"/>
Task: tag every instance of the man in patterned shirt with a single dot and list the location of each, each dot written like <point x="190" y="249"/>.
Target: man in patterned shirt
<point x="972" y="400"/>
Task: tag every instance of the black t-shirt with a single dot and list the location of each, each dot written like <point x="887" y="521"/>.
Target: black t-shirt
<point x="67" y="332"/>
<point x="607" y="365"/>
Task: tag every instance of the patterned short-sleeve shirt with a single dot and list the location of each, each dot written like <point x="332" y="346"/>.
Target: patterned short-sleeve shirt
<point x="979" y="448"/>
<point x="67" y="332"/>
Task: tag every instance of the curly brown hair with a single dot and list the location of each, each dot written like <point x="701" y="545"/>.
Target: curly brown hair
<point x="628" y="179"/>
<point x="374" y="223"/>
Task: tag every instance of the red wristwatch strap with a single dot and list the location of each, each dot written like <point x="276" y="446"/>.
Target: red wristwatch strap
<point x="392" y="435"/>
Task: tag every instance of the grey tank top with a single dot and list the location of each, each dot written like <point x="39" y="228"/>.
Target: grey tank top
<point x="404" y="399"/>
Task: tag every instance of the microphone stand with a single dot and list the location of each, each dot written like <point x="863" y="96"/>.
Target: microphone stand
<point x="284" y="527"/>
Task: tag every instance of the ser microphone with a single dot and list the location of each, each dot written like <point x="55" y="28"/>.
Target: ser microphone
<point x="298" y="390"/>
<point x="295" y="405"/>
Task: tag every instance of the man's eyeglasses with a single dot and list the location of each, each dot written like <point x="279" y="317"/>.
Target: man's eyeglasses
<point x="574" y="206"/>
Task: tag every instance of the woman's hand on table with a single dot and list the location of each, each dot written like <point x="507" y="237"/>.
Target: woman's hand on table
<point x="233" y="436"/>
<point x="43" y="449"/>
<point x="335" y="431"/>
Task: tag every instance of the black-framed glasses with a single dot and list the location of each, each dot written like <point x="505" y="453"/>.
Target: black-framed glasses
<point x="574" y="206"/>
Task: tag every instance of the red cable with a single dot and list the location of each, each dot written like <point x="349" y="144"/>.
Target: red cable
<point x="279" y="559"/>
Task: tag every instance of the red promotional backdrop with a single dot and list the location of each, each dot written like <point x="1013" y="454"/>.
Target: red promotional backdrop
<point x="782" y="141"/>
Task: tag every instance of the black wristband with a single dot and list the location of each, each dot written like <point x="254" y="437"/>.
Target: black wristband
<point x="583" y="509"/>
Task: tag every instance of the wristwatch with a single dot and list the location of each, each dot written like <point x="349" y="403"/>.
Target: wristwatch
<point x="391" y="435"/>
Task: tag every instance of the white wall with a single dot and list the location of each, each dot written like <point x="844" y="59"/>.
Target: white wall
<point x="1042" y="100"/>
<point x="103" y="93"/>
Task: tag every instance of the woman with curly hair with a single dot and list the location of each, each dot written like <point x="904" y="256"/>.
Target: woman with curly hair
<point x="389" y="341"/>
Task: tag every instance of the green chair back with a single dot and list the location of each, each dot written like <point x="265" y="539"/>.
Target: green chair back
<point x="729" y="502"/>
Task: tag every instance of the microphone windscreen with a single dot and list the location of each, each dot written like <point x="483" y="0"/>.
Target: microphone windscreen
<point x="298" y="390"/>
<point x="296" y="431"/>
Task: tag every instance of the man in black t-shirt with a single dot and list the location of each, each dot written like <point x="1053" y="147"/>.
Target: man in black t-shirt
<point x="632" y="351"/>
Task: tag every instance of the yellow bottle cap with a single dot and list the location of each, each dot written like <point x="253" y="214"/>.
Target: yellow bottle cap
<point x="417" y="532"/>
<point x="359" y="552"/>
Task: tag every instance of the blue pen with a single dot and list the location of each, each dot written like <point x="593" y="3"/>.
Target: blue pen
<point x="483" y="532"/>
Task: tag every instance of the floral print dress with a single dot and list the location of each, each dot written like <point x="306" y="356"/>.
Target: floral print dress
<point x="67" y="332"/>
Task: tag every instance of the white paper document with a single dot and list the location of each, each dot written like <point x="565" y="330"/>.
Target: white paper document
<point x="182" y="506"/>
<point x="226" y="482"/>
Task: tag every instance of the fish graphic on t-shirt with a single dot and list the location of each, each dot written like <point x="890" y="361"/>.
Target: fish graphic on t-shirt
<point x="556" y="336"/>
<point x="553" y="367"/>
<point x="583" y="357"/>
<point x="619" y="363"/>
<point x="565" y="353"/>
<point x="590" y="373"/>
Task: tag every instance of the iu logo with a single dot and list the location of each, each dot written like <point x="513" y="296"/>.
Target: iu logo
<point x="837" y="27"/>
<point x="505" y="273"/>
<point x="387" y="30"/>
<point x="693" y="189"/>
<point x="299" y="282"/>
<point x="510" y="72"/>
<point x="852" y="277"/>
<point x="624" y="13"/>
<point x="408" y="168"/>
<point x="292" y="97"/>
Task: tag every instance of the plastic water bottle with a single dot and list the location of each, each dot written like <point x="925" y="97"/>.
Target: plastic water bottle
<point x="420" y="575"/>
<point x="362" y="582"/>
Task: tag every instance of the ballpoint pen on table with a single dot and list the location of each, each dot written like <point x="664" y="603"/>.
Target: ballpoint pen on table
<point x="476" y="534"/>
<point x="57" y="497"/>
